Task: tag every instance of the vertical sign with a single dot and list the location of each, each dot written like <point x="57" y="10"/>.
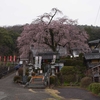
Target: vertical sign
<point x="40" y="59"/>
<point x="10" y="59"/>
<point x="0" y="58"/>
<point x="14" y="58"/>
<point x="54" y="58"/>
<point x="4" y="58"/>
<point x="36" y="62"/>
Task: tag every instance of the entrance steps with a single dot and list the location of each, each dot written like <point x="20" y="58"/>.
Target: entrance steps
<point x="37" y="82"/>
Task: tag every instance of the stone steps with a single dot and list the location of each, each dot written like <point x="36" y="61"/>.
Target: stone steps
<point x="37" y="83"/>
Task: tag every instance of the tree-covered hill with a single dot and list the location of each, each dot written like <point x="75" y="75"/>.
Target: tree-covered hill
<point x="93" y="31"/>
<point x="8" y="36"/>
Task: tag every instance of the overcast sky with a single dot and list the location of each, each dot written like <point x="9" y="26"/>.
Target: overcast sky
<point x="19" y="12"/>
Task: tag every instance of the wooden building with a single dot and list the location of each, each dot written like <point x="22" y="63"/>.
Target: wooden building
<point x="92" y="60"/>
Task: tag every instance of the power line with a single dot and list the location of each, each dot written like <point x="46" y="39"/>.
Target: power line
<point x="97" y="15"/>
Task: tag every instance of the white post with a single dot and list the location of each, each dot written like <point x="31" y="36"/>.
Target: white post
<point x="54" y="58"/>
<point x="36" y="62"/>
<point x="40" y="59"/>
<point x="24" y="68"/>
<point x="53" y="72"/>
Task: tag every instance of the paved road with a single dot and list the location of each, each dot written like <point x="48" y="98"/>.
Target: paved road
<point x="77" y="94"/>
<point x="12" y="91"/>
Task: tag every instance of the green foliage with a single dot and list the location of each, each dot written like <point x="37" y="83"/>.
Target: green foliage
<point x="68" y="78"/>
<point x="66" y="70"/>
<point x="28" y="79"/>
<point x="8" y="37"/>
<point x="59" y="77"/>
<point x="73" y="62"/>
<point x="95" y="88"/>
<point x="27" y="72"/>
<point x="1" y="63"/>
<point x="85" y="82"/>
<point x="8" y="64"/>
<point x="20" y="71"/>
<point x="33" y="74"/>
<point x="78" y="65"/>
<point x="68" y="74"/>
<point x="53" y="80"/>
<point x="94" y="32"/>
<point x="81" y="56"/>
<point x="17" y="78"/>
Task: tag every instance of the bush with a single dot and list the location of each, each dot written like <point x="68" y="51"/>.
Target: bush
<point x="73" y="62"/>
<point x="68" y="78"/>
<point x="33" y="73"/>
<point x="27" y="72"/>
<point x="81" y="56"/>
<point x="53" y="80"/>
<point x="28" y="79"/>
<point x="20" y="71"/>
<point x="86" y="81"/>
<point x="59" y="77"/>
<point x="17" y="78"/>
<point x="8" y="64"/>
<point x="66" y="70"/>
<point x="95" y="88"/>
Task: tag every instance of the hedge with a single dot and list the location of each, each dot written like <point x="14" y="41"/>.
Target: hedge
<point x="95" y="88"/>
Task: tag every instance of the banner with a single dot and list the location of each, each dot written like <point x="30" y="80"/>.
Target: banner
<point x="40" y="59"/>
<point x="14" y="58"/>
<point x="4" y="58"/>
<point x="0" y="58"/>
<point x="36" y="62"/>
<point x="10" y="58"/>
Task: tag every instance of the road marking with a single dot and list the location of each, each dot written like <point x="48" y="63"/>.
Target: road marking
<point x="32" y="90"/>
<point x="2" y="95"/>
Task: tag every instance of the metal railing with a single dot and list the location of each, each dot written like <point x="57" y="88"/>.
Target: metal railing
<point x="47" y="77"/>
<point x="4" y="71"/>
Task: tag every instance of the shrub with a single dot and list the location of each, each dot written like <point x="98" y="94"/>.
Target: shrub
<point x="28" y="79"/>
<point x="1" y="63"/>
<point x="68" y="78"/>
<point x="73" y="62"/>
<point x="66" y="70"/>
<point x="95" y="88"/>
<point x="8" y="64"/>
<point x="59" y="77"/>
<point x="53" y="80"/>
<point x="86" y="81"/>
<point x="17" y="78"/>
<point x="81" y="56"/>
<point x="27" y="72"/>
<point x="20" y="71"/>
<point x="33" y="74"/>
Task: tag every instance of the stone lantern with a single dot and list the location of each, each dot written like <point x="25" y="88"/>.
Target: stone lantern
<point x="30" y="67"/>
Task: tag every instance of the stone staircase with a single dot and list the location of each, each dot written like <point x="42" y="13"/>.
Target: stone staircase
<point x="37" y="82"/>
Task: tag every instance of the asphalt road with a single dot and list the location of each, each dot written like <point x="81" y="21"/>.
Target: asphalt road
<point x="73" y="93"/>
<point x="11" y="91"/>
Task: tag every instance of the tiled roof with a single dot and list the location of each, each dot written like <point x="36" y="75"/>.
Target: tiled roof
<point x="48" y="55"/>
<point x="89" y="56"/>
<point x="94" y="41"/>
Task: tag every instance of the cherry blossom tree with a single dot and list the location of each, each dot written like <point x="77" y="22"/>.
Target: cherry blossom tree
<point x="49" y="32"/>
